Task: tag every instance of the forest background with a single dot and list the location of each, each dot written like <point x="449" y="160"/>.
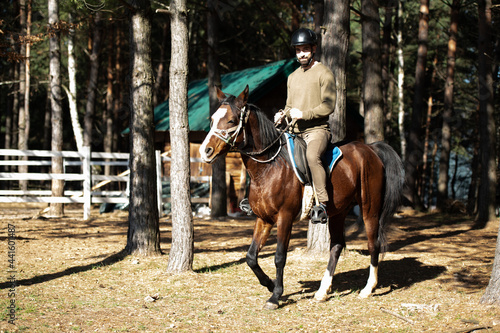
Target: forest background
<point x="255" y="32"/>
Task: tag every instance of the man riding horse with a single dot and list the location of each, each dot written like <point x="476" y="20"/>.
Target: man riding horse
<point x="310" y="100"/>
<point x="370" y="175"/>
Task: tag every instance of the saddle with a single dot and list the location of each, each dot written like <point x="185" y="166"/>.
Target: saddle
<point x="297" y="152"/>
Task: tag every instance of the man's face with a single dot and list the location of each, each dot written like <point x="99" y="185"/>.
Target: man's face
<point x="304" y="53"/>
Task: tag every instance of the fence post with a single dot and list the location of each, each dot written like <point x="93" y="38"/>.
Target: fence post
<point x="87" y="190"/>
<point x="159" y="189"/>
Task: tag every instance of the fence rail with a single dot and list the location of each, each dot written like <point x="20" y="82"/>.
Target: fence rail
<point x="86" y="160"/>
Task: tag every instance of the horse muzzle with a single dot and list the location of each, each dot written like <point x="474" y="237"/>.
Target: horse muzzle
<point x="206" y="153"/>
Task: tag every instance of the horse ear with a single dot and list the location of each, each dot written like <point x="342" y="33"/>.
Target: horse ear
<point x="220" y="95"/>
<point x="243" y="97"/>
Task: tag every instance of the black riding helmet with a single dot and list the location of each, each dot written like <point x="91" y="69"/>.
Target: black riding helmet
<point x="304" y="36"/>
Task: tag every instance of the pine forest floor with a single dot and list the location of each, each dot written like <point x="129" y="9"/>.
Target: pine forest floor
<point x="71" y="276"/>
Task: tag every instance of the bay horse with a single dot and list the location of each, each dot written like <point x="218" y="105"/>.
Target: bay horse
<point x="372" y="175"/>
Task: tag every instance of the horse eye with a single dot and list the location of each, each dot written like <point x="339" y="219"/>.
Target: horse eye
<point x="231" y="122"/>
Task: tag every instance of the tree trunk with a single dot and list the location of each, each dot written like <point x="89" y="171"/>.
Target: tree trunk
<point x="335" y="44"/>
<point x="22" y="141"/>
<point x="319" y="12"/>
<point x="72" y="93"/>
<point x="143" y="237"/>
<point x="444" y="161"/>
<point x="93" y="75"/>
<point x="27" y="91"/>
<point x="492" y="292"/>
<point x="425" y="175"/>
<point x="13" y="101"/>
<point x="159" y="94"/>
<point x="415" y="146"/>
<point x="387" y="78"/>
<point x="487" y="128"/>
<point x="108" y="114"/>
<point x="218" y="186"/>
<point x="474" y="178"/>
<point x="56" y="209"/>
<point x="181" y="253"/>
<point x="119" y="89"/>
<point x="17" y="97"/>
<point x="430" y="189"/>
<point x="401" y="75"/>
<point x="9" y="111"/>
<point x="372" y="72"/>
<point x="454" y="178"/>
<point x="8" y="122"/>
<point x="47" y="123"/>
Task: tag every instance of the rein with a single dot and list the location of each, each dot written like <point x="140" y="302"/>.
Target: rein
<point x="260" y="152"/>
<point x="230" y="135"/>
<point x="254" y="153"/>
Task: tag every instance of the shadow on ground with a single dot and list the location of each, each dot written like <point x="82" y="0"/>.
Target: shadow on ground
<point x="393" y="275"/>
<point x="112" y="259"/>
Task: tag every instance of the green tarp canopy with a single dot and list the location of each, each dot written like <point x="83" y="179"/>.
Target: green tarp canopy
<point x="261" y="80"/>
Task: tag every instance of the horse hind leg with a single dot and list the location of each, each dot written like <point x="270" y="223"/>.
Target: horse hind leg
<point x="327" y="280"/>
<point x="371" y="283"/>
<point x="374" y="250"/>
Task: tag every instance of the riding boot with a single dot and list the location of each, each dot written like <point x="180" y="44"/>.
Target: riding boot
<point x="319" y="214"/>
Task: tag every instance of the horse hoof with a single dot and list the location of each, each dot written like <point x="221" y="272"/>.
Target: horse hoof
<point x="270" y="306"/>
<point x="365" y="294"/>
<point x="318" y="298"/>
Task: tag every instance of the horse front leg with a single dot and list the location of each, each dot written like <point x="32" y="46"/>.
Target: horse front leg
<point x="261" y="232"/>
<point x="283" y="241"/>
<point x="337" y="244"/>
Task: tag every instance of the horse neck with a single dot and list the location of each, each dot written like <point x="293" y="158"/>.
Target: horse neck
<point x="255" y="144"/>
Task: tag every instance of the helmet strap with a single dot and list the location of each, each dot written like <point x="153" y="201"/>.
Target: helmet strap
<point x="310" y="60"/>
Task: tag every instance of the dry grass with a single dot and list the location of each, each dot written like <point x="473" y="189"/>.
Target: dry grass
<point x="72" y="277"/>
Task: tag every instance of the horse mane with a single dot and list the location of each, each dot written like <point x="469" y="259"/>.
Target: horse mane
<point x="267" y="130"/>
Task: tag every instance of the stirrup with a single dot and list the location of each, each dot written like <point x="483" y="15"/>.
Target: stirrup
<point x="319" y="214"/>
<point x="245" y="207"/>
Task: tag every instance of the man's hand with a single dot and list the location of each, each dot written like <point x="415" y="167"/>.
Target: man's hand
<point x="278" y="116"/>
<point x="296" y="113"/>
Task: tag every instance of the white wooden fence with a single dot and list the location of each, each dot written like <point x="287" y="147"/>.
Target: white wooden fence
<point x="86" y="160"/>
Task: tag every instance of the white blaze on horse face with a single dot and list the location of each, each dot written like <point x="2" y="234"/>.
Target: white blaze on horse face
<point x="216" y="117"/>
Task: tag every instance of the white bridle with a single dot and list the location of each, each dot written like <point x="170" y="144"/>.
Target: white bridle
<point x="231" y="134"/>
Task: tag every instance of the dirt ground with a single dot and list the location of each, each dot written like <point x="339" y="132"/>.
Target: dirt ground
<point x="72" y="276"/>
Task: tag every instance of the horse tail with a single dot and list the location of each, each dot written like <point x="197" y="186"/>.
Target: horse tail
<point x="394" y="182"/>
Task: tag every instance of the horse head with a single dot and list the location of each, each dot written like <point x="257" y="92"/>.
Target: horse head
<point x="226" y="131"/>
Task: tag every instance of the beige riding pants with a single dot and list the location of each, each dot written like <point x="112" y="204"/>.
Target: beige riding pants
<point x="317" y="141"/>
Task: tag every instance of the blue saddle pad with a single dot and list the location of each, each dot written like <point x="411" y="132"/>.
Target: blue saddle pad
<point x="296" y="152"/>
